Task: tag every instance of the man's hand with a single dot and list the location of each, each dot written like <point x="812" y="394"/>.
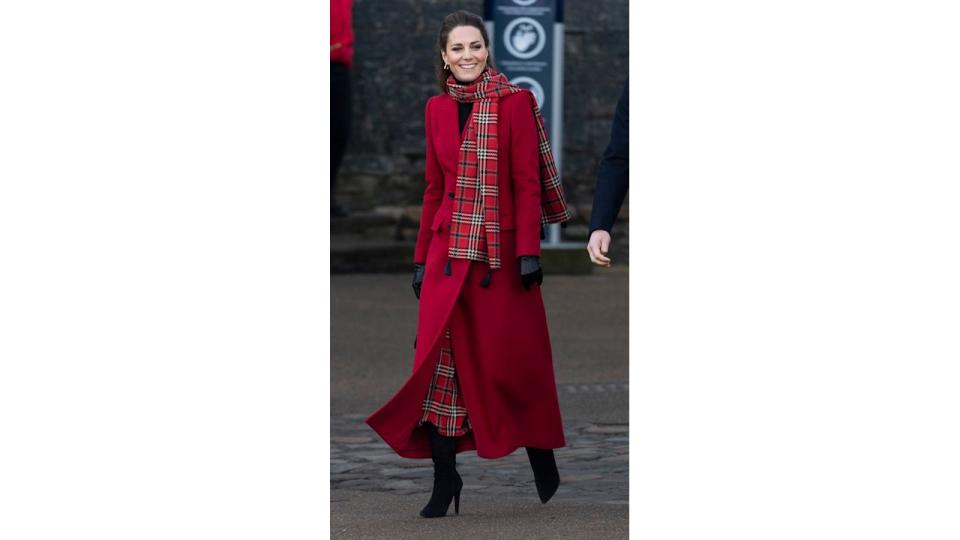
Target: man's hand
<point x="598" y="246"/>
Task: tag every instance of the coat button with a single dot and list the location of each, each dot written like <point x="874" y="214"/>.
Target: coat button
<point x="450" y="195"/>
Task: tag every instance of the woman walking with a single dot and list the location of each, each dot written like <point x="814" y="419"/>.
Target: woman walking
<point x="483" y="372"/>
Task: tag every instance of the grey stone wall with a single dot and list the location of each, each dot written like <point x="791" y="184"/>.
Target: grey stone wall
<point x="393" y="77"/>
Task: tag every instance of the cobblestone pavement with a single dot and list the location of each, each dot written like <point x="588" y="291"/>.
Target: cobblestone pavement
<point x="593" y="466"/>
<point x="378" y="494"/>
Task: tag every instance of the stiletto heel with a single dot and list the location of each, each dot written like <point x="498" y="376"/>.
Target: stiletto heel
<point x="456" y="501"/>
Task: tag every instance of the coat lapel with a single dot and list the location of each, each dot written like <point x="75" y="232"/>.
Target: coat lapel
<point x="448" y="139"/>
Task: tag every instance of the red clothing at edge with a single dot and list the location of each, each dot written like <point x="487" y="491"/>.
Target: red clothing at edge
<point x="341" y="32"/>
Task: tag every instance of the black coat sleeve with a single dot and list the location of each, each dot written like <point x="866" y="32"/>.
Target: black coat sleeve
<point x="614" y="176"/>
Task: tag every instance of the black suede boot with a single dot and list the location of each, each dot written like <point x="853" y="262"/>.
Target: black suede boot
<point x="446" y="482"/>
<point x="545" y="474"/>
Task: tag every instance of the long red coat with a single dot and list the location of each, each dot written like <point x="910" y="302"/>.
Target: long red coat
<point x="501" y="347"/>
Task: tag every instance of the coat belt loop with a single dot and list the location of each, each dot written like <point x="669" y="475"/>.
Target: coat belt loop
<point x="448" y="269"/>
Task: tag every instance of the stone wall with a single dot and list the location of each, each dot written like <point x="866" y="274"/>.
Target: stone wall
<point x="393" y="78"/>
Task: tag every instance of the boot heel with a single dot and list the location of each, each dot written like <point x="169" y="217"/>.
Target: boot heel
<point x="456" y="502"/>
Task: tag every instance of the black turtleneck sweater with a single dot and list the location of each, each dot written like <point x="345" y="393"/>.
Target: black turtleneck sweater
<point x="463" y="109"/>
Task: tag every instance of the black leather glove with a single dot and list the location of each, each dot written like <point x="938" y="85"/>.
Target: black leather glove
<point x="418" y="270"/>
<point x="530" y="271"/>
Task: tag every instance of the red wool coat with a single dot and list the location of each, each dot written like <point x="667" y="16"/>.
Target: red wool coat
<point x="501" y="347"/>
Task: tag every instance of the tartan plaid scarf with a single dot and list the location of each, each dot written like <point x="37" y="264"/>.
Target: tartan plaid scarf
<point x="475" y="227"/>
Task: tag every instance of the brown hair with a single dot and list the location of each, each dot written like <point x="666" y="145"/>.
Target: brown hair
<point x="451" y="21"/>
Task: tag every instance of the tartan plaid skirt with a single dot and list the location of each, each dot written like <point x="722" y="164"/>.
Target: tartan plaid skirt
<point x="443" y="406"/>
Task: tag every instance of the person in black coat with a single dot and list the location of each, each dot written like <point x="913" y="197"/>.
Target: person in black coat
<point x="612" y="181"/>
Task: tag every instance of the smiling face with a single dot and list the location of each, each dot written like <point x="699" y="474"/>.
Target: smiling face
<point x="466" y="53"/>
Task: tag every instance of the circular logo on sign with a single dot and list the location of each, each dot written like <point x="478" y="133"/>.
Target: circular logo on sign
<point x="531" y="85"/>
<point x="524" y="37"/>
<point x="523" y="2"/>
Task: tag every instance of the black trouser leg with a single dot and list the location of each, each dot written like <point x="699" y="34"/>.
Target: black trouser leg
<point x="340" y="115"/>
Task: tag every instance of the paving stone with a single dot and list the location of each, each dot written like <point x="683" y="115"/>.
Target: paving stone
<point x="350" y="439"/>
<point x="611" y="428"/>
<point x="400" y="484"/>
<point x="378" y="457"/>
<point x="582" y="459"/>
<point x="503" y="465"/>
<point x="390" y="471"/>
<point x="580" y="477"/>
<point x="564" y="454"/>
<point x="353" y="485"/>
<point x="338" y="468"/>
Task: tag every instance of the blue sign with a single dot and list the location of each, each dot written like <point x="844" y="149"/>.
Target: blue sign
<point x="527" y="46"/>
